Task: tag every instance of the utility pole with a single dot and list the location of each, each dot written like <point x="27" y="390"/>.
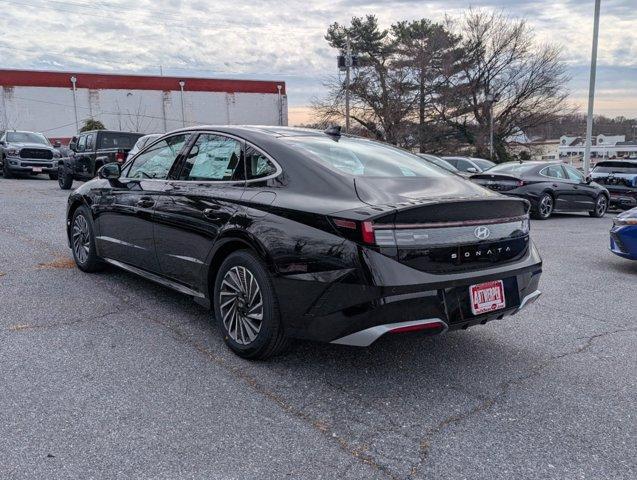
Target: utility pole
<point x="348" y="66"/>
<point x="591" y="92"/>
<point x="491" y="99"/>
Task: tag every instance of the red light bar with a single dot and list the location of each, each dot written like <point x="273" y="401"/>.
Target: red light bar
<point x="339" y="222"/>
<point x="415" y="328"/>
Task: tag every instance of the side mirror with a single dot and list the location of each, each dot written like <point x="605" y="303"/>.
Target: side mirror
<point x="588" y="179"/>
<point x="110" y="171"/>
<point x="73" y="146"/>
<point x="472" y="170"/>
<point x="3" y="143"/>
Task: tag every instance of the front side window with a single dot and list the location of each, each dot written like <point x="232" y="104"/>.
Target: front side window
<point x="156" y="162"/>
<point x="482" y="163"/>
<point x="364" y="158"/>
<point x="465" y="165"/>
<point x="257" y="164"/>
<point x="214" y="157"/>
<point x="81" y="143"/>
<point x="574" y="174"/>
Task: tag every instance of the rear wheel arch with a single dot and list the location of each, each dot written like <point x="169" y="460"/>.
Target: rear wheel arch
<point x="77" y="203"/>
<point x="226" y="245"/>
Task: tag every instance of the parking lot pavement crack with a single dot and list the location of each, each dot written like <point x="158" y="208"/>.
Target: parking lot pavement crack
<point x="502" y="390"/>
<point x="22" y="327"/>
<point x="358" y="453"/>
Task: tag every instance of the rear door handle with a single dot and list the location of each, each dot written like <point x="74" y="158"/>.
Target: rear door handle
<point x="145" y="202"/>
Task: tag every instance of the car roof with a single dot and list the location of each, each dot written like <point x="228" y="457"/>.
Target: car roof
<point x="268" y="130"/>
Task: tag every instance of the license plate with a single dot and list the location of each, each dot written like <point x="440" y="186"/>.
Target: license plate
<point x="487" y="297"/>
<point x="37" y="169"/>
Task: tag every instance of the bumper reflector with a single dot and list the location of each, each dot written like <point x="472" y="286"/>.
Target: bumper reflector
<point x="415" y="328"/>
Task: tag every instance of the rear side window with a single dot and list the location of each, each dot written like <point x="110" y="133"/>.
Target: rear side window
<point x="156" y="162"/>
<point x="257" y="164"/>
<point x="117" y="140"/>
<point x="554" y="171"/>
<point x="214" y="157"/>
<point x="89" y="141"/>
<point x="574" y="174"/>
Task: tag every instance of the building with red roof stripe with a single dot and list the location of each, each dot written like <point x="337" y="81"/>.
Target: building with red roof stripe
<point x="57" y="103"/>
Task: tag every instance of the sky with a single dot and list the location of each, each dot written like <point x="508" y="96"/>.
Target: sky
<point x="283" y="40"/>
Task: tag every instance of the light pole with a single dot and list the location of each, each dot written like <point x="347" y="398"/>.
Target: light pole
<point x="182" y="84"/>
<point x="348" y="65"/>
<point x="491" y="99"/>
<point x="591" y="91"/>
<point x="74" y="81"/>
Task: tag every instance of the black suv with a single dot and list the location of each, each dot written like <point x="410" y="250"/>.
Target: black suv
<point x="27" y="153"/>
<point x="92" y="150"/>
<point x="620" y="178"/>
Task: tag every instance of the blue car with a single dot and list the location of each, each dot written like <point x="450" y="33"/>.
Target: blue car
<point x="623" y="235"/>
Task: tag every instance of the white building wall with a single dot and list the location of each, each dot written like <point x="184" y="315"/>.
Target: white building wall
<point x="50" y="109"/>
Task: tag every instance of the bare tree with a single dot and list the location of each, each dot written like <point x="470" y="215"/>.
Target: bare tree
<point x="504" y="62"/>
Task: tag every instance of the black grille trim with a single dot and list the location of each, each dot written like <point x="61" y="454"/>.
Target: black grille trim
<point x="36" y="153"/>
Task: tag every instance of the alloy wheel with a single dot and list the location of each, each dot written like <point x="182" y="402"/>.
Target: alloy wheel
<point x="241" y="305"/>
<point x="81" y="239"/>
<point x="601" y="205"/>
<point x="546" y="205"/>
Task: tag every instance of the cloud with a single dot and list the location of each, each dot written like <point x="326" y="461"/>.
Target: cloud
<point x="279" y="40"/>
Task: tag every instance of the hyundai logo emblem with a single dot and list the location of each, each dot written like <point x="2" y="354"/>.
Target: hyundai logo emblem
<point x="482" y="233"/>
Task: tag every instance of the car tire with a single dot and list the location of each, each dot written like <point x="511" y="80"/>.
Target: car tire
<point x="243" y="292"/>
<point x="64" y="179"/>
<point x="601" y="207"/>
<point x="83" y="241"/>
<point x="6" y="173"/>
<point x="545" y="206"/>
<point x="53" y="176"/>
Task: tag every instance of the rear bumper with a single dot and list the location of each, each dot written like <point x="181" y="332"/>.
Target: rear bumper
<point x="366" y="337"/>
<point x="623" y="201"/>
<point x="358" y="314"/>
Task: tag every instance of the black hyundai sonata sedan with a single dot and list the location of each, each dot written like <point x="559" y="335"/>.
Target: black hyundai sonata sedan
<point x="292" y="233"/>
<point x="549" y="186"/>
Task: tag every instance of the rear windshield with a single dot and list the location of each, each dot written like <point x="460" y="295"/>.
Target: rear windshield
<point x="26" y="137"/>
<point x="512" y="168"/>
<point x="364" y="158"/>
<point x="117" y="140"/>
<point x="616" y="167"/>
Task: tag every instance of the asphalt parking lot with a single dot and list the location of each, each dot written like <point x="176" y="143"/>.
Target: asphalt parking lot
<point x="110" y="376"/>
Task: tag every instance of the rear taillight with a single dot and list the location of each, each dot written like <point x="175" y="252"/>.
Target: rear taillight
<point x="120" y="156"/>
<point x="356" y="230"/>
<point x="367" y="230"/>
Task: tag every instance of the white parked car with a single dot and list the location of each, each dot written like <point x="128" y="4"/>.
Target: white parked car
<point x="142" y="142"/>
